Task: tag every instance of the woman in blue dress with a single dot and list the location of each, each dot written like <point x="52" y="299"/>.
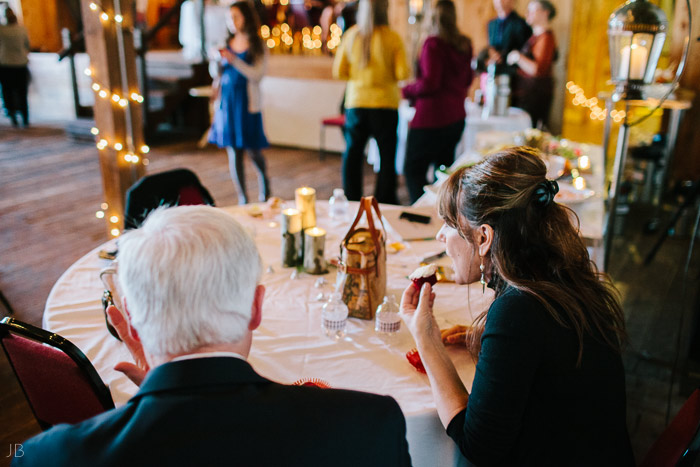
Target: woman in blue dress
<point x="237" y="122"/>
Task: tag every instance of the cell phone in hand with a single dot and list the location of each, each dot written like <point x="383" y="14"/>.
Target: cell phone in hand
<point x="411" y="217"/>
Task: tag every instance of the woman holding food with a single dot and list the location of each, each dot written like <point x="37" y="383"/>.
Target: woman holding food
<point x="549" y="387"/>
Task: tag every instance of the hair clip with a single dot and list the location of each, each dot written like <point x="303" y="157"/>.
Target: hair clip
<point x="545" y="192"/>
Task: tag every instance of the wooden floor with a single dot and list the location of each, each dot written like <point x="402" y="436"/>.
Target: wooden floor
<point x="50" y="189"/>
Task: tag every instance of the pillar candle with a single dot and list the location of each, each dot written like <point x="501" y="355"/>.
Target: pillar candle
<point x="306" y="203"/>
<point x="291" y="238"/>
<point x="314" y="246"/>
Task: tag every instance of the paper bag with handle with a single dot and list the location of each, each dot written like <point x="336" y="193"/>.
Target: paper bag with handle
<point x="363" y="260"/>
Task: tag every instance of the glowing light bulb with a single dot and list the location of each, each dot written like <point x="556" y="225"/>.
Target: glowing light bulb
<point x="134" y="159"/>
<point x="118" y="18"/>
<point x="102" y="94"/>
<point x="123" y="102"/>
<point x="93" y="6"/>
<point x="145" y="162"/>
<point x="118" y="146"/>
<point x="88" y="72"/>
<point x="94" y="131"/>
<point x="95" y="87"/>
<point x="115" y="97"/>
<point x="114" y="219"/>
<point x="145" y="149"/>
<point x="579" y="183"/>
<point x="127" y="157"/>
<point x="139" y="99"/>
<point x="100" y="214"/>
<point x="584" y="162"/>
<point x="114" y="232"/>
<point x="104" y="206"/>
<point x="104" y="16"/>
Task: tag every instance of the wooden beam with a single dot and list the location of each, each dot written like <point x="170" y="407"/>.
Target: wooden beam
<point x="110" y="45"/>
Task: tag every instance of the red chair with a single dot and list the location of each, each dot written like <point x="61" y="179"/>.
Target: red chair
<point x="58" y="380"/>
<point x="679" y="444"/>
<point x="337" y="121"/>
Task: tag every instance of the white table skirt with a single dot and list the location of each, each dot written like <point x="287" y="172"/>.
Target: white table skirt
<point x="289" y="344"/>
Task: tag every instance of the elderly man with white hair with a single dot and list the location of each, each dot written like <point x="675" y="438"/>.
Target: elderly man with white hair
<point x="190" y="282"/>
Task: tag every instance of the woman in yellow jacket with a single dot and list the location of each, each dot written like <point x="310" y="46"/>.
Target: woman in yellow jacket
<point x="372" y="59"/>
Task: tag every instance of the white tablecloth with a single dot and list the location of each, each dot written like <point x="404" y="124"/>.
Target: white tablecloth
<point x="516" y="120"/>
<point x="289" y="344"/>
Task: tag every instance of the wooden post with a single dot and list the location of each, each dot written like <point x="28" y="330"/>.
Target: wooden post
<point x="109" y="42"/>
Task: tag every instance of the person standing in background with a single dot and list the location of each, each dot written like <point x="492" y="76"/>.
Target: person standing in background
<point x="509" y="31"/>
<point x="534" y="88"/>
<point x="441" y="86"/>
<point x="14" y="73"/>
<point x="237" y="124"/>
<point x="372" y="59"/>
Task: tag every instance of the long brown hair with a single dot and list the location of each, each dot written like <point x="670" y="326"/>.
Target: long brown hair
<point x="251" y="26"/>
<point x="536" y="247"/>
<point x="370" y="14"/>
<point x="444" y="18"/>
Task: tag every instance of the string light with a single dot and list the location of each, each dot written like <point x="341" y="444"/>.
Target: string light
<point x="597" y="113"/>
<point x="123" y="101"/>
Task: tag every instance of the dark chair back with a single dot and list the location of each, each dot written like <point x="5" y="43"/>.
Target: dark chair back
<point x="58" y="380"/>
<point x="679" y="444"/>
<point x="172" y="188"/>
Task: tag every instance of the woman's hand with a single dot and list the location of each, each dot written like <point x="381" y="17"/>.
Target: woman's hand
<point x="456" y="335"/>
<point x="226" y="55"/>
<point x="417" y="313"/>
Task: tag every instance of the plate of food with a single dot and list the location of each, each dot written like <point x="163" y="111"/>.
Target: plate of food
<point x="569" y="194"/>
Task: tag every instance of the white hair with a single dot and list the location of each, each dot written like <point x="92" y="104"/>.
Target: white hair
<point x="189" y="276"/>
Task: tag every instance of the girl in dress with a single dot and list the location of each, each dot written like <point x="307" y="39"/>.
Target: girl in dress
<point x="237" y="122"/>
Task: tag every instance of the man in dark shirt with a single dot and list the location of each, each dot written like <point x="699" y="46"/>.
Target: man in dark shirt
<point x="508" y="31"/>
<point x="191" y="278"/>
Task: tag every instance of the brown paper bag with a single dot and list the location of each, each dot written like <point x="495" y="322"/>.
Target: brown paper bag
<point x="363" y="259"/>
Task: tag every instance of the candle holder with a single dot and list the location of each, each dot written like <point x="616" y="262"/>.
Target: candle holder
<point x="305" y="198"/>
<point x="314" y="246"/>
<point x="292" y="248"/>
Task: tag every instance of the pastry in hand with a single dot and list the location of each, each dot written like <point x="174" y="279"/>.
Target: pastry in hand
<point x="424" y="274"/>
<point x="456" y="335"/>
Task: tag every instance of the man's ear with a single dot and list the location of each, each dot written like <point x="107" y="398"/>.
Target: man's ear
<point x="256" y="308"/>
<point x="484" y="239"/>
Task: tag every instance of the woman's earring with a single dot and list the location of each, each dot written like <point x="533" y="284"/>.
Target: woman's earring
<point x="483" y="279"/>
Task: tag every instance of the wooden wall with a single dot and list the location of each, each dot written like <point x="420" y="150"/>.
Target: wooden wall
<point x="44" y="20"/>
<point x="687" y="157"/>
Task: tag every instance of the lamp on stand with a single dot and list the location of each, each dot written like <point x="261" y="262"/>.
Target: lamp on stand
<point x="636" y="35"/>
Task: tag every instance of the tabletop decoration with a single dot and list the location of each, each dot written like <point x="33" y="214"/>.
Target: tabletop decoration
<point x="314" y="247"/>
<point x="291" y="238"/>
<point x="305" y="198"/>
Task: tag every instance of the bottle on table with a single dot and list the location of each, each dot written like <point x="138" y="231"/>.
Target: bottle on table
<point x="338" y="205"/>
<point x="334" y="316"/>
<point x="387" y="321"/>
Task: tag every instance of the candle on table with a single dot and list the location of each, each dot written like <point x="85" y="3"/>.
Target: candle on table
<point x="633" y="62"/>
<point x="584" y="163"/>
<point x="306" y="203"/>
<point x="291" y="238"/>
<point x="314" y="246"/>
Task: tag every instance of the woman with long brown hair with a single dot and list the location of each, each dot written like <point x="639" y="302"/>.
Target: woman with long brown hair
<point x="438" y="93"/>
<point x="549" y="387"/>
<point x="237" y="124"/>
<point x="372" y="59"/>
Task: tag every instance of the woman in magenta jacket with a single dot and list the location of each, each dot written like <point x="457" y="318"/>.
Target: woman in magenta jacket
<point x="443" y="78"/>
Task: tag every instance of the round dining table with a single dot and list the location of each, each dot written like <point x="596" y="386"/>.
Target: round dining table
<point x="290" y="344"/>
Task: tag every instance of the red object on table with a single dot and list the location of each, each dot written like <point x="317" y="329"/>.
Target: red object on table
<point x="319" y="383"/>
<point x="413" y="358"/>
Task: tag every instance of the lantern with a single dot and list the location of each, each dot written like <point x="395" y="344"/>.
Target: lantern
<point x="636" y="34"/>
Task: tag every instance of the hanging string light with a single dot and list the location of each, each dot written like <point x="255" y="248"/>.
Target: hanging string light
<point x="597" y="113"/>
<point x="123" y="100"/>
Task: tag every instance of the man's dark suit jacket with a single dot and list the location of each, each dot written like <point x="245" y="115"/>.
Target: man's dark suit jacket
<point x="218" y="411"/>
<point x="516" y="32"/>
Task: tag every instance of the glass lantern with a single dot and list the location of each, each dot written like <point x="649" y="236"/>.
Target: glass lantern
<point x="636" y="34"/>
